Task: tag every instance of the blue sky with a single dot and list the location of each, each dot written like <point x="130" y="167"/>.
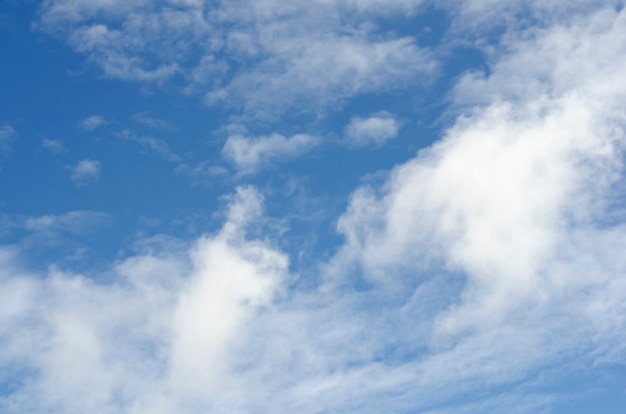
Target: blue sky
<point x="333" y="206"/>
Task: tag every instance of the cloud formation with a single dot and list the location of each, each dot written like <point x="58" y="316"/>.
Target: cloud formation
<point x="297" y="56"/>
<point x="374" y="131"/>
<point x="158" y="146"/>
<point x="85" y="172"/>
<point x="479" y="274"/>
<point x="251" y="153"/>
<point x="93" y="122"/>
<point x="158" y="334"/>
<point x="52" y="145"/>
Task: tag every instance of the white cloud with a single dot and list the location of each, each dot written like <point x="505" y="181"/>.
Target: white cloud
<point x="163" y="326"/>
<point x="375" y="130"/>
<point x="304" y="56"/>
<point x="325" y="70"/>
<point x="489" y="264"/>
<point x="513" y="203"/>
<point x="7" y="134"/>
<point x="93" y="122"/>
<point x="76" y="222"/>
<point x="52" y="145"/>
<point x="85" y="172"/>
<point x="249" y="154"/>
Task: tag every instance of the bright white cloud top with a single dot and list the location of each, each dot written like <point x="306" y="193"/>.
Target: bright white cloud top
<point x="237" y="256"/>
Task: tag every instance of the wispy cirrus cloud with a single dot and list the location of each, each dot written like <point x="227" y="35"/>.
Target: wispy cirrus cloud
<point x="170" y="296"/>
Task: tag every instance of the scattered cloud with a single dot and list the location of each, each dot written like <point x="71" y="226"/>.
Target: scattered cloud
<point x="93" y="122"/>
<point x="52" y="145"/>
<point x="155" y="145"/>
<point x="303" y="57"/>
<point x="75" y="222"/>
<point x="373" y="131"/>
<point x="145" y="118"/>
<point x="251" y="153"/>
<point x="85" y="172"/>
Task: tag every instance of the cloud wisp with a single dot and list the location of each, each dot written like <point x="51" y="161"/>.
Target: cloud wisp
<point x="85" y="172"/>
<point x="93" y="122"/>
<point x="251" y="153"/>
<point x="53" y="145"/>
<point x="375" y="130"/>
<point x="148" y="143"/>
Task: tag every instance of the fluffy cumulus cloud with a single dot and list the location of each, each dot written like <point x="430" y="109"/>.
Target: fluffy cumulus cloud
<point x="374" y="131"/>
<point x="475" y="278"/>
<point x="516" y="201"/>
<point x="250" y="153"/>
<point x="156" y="338"/>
